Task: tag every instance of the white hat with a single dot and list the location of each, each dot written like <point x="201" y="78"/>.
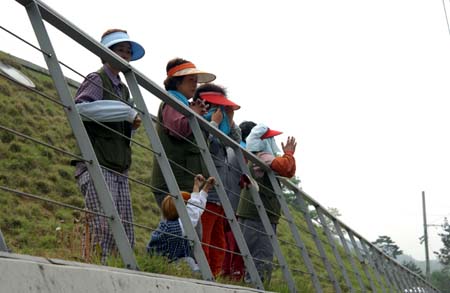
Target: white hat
<point x="137" y="51"/>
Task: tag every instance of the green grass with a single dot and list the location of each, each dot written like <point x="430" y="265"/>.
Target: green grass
<point x="38" y="228"/>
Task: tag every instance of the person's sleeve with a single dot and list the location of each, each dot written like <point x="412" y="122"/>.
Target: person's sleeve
<point x="106" y="111"/>
<point x="236" y="133"/>
<point x="176" y="123"/>
<point x="195" y="208"/>
<point x="284" y="165"/>
<point x="90" y="90"/>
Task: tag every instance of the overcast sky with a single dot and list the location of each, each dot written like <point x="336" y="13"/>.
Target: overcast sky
<point x="362" y="85"/>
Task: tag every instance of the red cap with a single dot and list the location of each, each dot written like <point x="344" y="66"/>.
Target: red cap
<point x="271" y="133"/>
<point x="218" y="99"/>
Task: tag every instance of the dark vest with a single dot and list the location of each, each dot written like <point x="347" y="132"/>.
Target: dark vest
<point x="112" y="150"/>
<point x="182" y="153"/>
<point x="246" y="207"/>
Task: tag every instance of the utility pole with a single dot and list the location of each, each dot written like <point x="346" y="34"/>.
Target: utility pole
<point x="425" y="236"/>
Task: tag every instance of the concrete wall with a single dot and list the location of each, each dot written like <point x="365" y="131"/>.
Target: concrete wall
<point x="20" y="273"/>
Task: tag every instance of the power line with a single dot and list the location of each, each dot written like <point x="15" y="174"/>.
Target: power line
<point x="446" y="17"/>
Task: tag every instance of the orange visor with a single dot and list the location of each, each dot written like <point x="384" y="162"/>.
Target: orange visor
<point x="180" y="67"/>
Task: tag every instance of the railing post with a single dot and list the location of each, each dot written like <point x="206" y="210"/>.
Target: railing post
<point x="361" y="259"/>
<point x="303" y="206"/>
<point x="369" y="257"/>
<point x="81" y="136"/>
<point x="382" y="268"/>
<point x="412" y="281"/>
<point x="268" y="226"/>
<point x="168" y="175"/>
<point x="228" y="209"/>
<point x="3" y="246"/>
<point x="401" y="276"/>
<point x="391" y="272"/>
<point x="344" y="243"/>
<point x="297" y="236"/>
<point x="333" y="247"/>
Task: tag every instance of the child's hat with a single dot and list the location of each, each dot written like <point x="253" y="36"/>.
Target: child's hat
<point x="137" y="51"/>
<point x="218" y="99"/>
<point x="270" y="133"/>
<point x="189" y="68"/>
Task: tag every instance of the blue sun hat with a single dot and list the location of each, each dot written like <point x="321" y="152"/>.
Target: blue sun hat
<point x="137" y="51"/>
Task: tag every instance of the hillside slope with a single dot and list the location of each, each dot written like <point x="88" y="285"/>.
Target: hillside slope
<point x="41" y="228"/>
<point x="29" y="167"/>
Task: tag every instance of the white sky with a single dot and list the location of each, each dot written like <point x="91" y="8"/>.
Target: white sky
<point x="362" y="85"/>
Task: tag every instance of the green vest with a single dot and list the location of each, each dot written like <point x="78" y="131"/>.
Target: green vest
<point x="246" y="207"/>
<point x="112" y="150"/>
<point x="180" y="151"/>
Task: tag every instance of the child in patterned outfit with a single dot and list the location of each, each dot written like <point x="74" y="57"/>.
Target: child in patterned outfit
<point x="168" y="240"/>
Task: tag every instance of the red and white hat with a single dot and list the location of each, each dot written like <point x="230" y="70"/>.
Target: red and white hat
<point x="270" y="133"/>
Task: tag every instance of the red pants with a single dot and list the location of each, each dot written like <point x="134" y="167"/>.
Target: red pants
<point x="213" y="234"/>
<point x="233" y="264"/>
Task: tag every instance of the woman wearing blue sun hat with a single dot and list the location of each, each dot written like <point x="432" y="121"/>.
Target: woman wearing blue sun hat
<point x="104" y="98"/>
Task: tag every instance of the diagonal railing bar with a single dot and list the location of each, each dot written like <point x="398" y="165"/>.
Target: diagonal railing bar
<point x="349" y="254"/>
<point x="297" y="236"/>
<point x="55" y="202"/>
<point x="27" y="137"/>
<point x="369" y="257"/>
<point x="225" y="202"/>
<point x="377" y="255"/>
<point x="303" y="205"/>
<point x="169" y="176"/>
<point x="267" y="224"/>
<point x="50" y="98"/>
<point x="361" y="259"/>
<point x="336" y="253"/>
<point x="3" y="246"/>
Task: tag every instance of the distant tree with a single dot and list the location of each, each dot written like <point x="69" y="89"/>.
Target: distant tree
<point x="441" y="279"/>
<point x="334" y="211"/>
<point x="412" y="266"/>
<point x="328" y="222"/>
<point x="289" y="195"/>
<point x="388" y="246"/>
<point x="444" y="253"/>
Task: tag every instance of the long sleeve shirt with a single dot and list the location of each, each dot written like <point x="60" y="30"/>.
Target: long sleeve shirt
<point x="106" y="111"/>
<point x="92" y="87"/>
<point x="283" y="166"/>
<point x="195" y="208"/>
<point x="176" y="123"/>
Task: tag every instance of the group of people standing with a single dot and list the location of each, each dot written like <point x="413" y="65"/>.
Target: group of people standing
<point x="104" y="98"/>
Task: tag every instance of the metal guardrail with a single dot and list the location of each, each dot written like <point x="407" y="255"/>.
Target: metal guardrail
<point x="368" y="269"/>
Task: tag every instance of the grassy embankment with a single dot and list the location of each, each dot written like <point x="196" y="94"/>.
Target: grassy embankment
<point x="43" y="229"/>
